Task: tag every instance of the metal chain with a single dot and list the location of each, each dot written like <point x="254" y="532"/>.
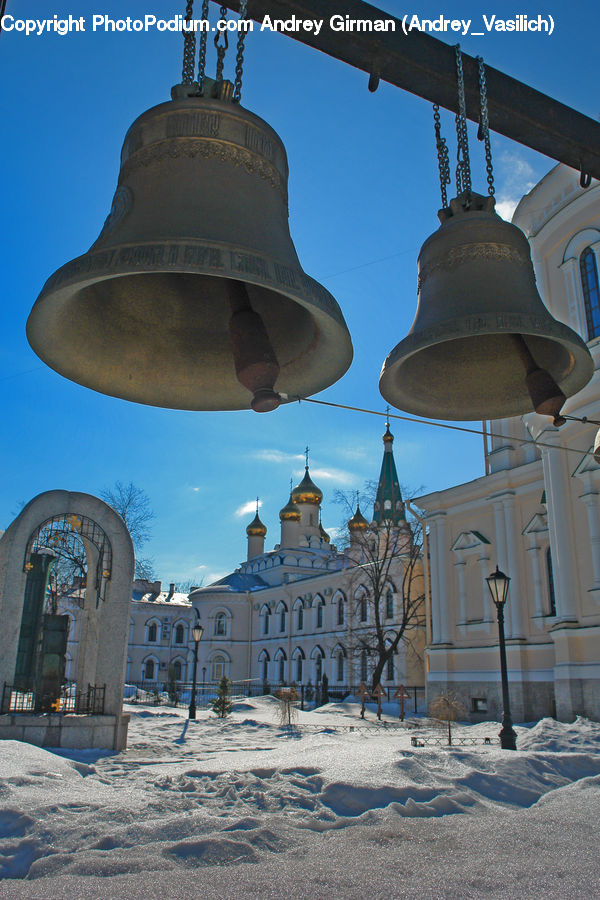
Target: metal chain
<point x="203" y="40"/>
<point x="239" y="59"/>
<point x="189" y="47"/>
<point x="221" y="48"/>
<point x="463" y="168"/>
<point x="485" y="127"/>
<point x="442" y="155"/>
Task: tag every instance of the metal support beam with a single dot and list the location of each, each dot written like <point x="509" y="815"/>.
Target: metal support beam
<point x="425" y="66"/>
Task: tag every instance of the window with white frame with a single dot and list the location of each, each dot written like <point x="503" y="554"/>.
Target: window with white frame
<point x="220" y="624"/>
<point x="364" y="665"/>
<point x="340" y="666"/>
<point x="179" y="634"/>
<point x="389" y="603"/>
<point x="590" y="286"/>
<point x="320" y="607"/>
<point x="149" y="670"/>
<point x="266" y="616"/>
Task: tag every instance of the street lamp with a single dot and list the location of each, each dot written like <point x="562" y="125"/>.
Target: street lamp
<point x="197" y="632"/>
<point x="498" y="584"/>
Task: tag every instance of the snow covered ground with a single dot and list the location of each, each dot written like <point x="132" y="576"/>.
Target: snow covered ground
<point x="243" y="808"/>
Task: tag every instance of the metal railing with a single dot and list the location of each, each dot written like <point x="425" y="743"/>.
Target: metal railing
<point x="89" y="702"/>
<point x="179" y="693"/>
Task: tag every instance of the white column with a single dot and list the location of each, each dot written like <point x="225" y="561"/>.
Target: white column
<point x="461" y="568"/>
<point x="592" y="508"/>
<point x="570" y="270"/>
<point x="435" y="591"/>
<point x="442" y="565"/>
<point x="487" y="604"/>
<point x="533" y="553"/>
<point x="560" y="526"/>
<point x="515" y="598"/>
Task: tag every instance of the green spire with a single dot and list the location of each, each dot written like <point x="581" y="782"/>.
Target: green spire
<point x="388" y="502"/>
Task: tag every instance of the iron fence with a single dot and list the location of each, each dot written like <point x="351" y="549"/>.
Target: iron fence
<point x="179" y="694"/>
<point x="89" y="702"/>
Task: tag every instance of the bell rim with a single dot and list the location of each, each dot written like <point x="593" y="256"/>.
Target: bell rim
<point x="57" y="292"/>
<point x="571" y="383"/>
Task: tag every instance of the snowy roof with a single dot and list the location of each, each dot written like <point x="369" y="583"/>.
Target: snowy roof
<point x="236" y="582"/>
<point x="176" y="599"/>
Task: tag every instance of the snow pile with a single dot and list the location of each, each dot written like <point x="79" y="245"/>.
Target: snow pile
<point x="301" y="812"/>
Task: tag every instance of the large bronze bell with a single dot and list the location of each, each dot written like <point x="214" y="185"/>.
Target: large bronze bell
<point x="482" y="345"/>
<point x="193" y="297"/>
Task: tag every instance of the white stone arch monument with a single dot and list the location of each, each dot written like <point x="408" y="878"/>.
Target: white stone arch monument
<point x="104" y="624"/>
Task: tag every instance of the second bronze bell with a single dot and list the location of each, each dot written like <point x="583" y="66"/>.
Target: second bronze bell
<point x="482" y="345"/>
<point x="193" y="296"/>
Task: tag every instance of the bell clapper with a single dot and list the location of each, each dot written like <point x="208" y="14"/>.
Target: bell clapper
<point x="256" y="366"/>
<point x="546" y="396"/>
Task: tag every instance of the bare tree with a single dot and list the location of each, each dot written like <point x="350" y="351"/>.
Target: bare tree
<point x="447" y="708"/>
<point x="132" y="503"/>
<point x="287" y="707"/>
<point x="383" y="558"/>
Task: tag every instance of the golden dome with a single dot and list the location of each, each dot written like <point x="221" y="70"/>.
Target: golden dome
<point x="289" y="512"/>
<point x="388" y="437"/>
<point x="256" y="528"/>
<point x="358" y="522"/>
<point x="307" y="491"/>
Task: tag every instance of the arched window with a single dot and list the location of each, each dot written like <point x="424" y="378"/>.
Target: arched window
<point x="390" y="669"/>
<point x="220" y="624"/>
<point x="340" y="666"/>
<point x="282" y="612"/>
<point x="300" y="616"/>
<point x="218" y="667"/>
<point x="363" y="666"/>
<point x="152" y="634"/>
<point x="179" y="634"/>
<point x="299" y="669"/>
<point x="340" y="611"/>
<point x="149" y="667"/>
<point x="320" y="606"/>
<point x="551" y="595"/>
<point x="263" y="660"/>
<point x="266" y="614"/>
<point x="318" y="668"/>
<point x="389" y="604"/>
<point x="281" y="659"/>
<point x="362" y="607"/>
<point x="591" y="291"/>
<point x="177" y="670"/>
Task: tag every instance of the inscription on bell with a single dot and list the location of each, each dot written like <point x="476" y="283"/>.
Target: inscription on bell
<point x="511" y="323"/>
<point x="259" y="142"/>
<point x="211" y="257"/>
<point x="195" y="125"/>
<point x="286" y="276"/>
<point x="141" y="256"/>
<point x="249" y="264"/>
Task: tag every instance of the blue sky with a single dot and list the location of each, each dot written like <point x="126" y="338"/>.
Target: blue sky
<point x="363" y="198"/>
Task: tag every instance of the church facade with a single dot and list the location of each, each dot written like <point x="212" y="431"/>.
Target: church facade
<point x="305" y="609"/>
<point x="535" y="513"/>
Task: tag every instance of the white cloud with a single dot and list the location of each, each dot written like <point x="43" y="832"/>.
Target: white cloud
<point x="277" y="456"/>
<point x="246" y="508"/>
<point x="514" y="178"/>
<point x="215" y="576"/>
<point x="336" y="476"/>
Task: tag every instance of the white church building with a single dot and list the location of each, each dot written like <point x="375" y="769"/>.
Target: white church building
<point x="297" y="612"/>
<point x="535" y="513"/>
